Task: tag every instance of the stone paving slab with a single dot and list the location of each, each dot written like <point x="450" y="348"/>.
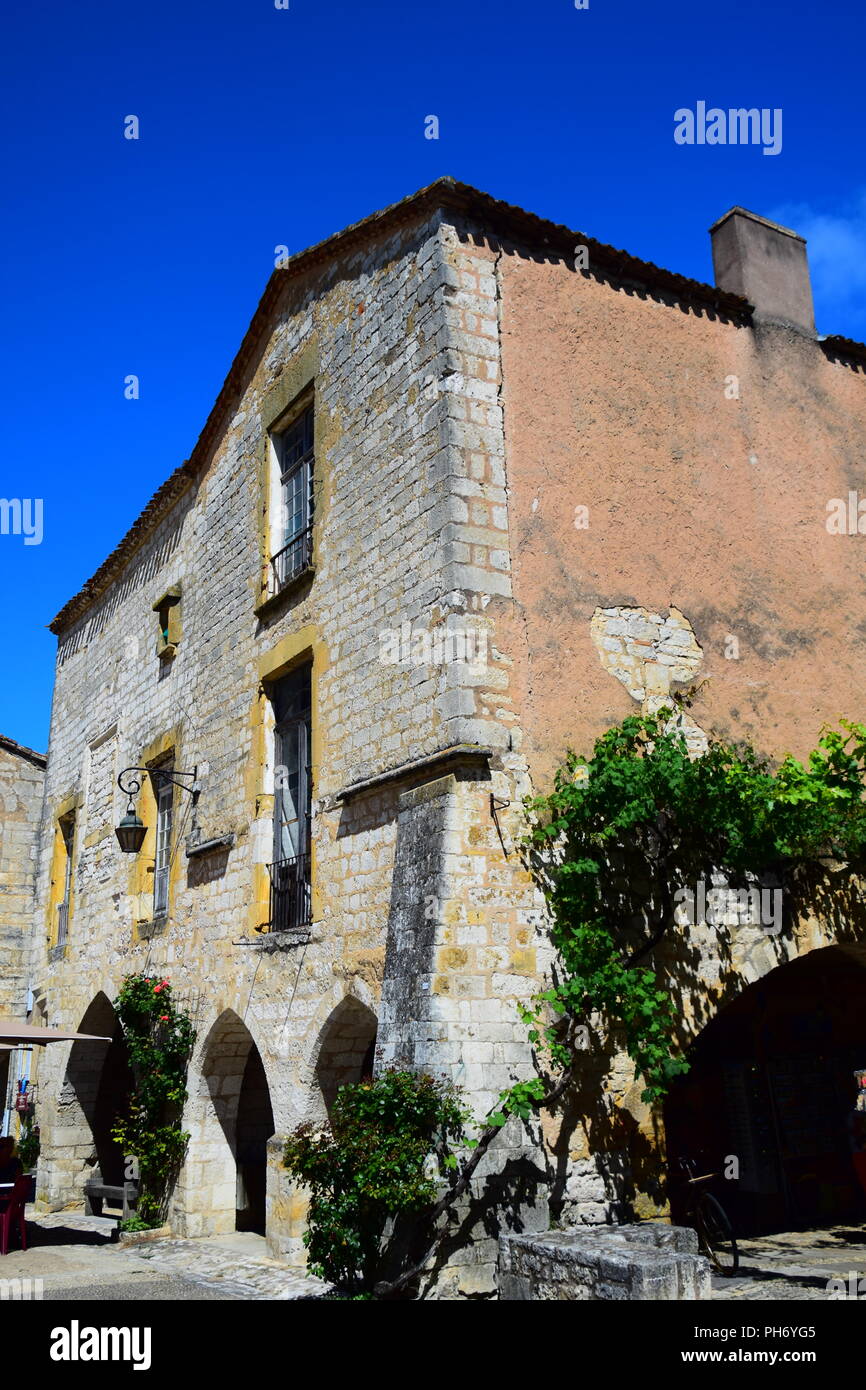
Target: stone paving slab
<point x="214" y="1265"/>
<point x="796" y="1265"/>
<point x="77" y="1258"/>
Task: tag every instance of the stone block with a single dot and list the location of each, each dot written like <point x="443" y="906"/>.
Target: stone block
<point x="635" y="1263"/>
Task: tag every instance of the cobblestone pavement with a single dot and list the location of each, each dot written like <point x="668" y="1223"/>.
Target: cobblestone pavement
<point x="230" y="1264"/>
<point x="77" y="1258"/>
<point x="798" y="1265"/>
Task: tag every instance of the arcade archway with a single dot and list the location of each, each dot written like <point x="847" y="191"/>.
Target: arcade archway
<point x="346" y="1050"/>
<point x="96" y="1090"/>
<point x="232" y="1134"/>
<point x="771" y="1086"/>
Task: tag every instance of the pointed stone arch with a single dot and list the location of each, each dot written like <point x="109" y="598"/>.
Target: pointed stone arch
<point x="97" y="1082"/>
<point x="230" y="1120"/>
<point x="770" y="1094"/>
<point x="344" y="1052"/>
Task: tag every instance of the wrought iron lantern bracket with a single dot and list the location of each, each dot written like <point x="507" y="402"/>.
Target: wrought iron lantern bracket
<point x="131" y="831"/>
<point x="159" y="775"/>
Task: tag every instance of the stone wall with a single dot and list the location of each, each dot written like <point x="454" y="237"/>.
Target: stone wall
<point x="668" y="472"/>
<point x="410" y="531"/>
<point x="22" y="777"/>
<point x="627" y="1263"/>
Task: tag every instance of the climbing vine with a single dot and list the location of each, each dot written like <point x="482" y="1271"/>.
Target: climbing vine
<point x="618" y="836"/>
<point x="622" y="830"/>
<point x="159" y="1037"/>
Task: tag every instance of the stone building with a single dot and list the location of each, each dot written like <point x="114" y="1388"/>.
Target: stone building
<point x="475" y="487"/>
<point x="22" y="779"/>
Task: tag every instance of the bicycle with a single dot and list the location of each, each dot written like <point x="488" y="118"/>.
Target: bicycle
<point x="707" y="1216"/>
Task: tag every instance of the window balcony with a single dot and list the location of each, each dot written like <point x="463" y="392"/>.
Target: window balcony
<point x="292" y="560"/>
<point x="290" y="894"/>
<point x="62" y="923"/>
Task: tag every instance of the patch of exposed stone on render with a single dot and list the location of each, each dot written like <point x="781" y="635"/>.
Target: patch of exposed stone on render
<point x="650" y="655"/>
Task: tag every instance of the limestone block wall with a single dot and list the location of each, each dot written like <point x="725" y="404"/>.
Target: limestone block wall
<point x="410" y="532"/>
<point x="629" y="1263"/>
<point x="655" y="513"/>
<point x="22" y="777"/>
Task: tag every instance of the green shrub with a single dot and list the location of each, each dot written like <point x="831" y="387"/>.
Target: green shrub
<point x="381" y="1156"/>
<point x="623" y="829"/>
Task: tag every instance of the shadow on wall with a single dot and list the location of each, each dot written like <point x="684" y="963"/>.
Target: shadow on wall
<point x="770" y="1097"/>
<point x="346" y="1050"/>
<point x="610" y="1149"/>
<point x="96" y="1090"/>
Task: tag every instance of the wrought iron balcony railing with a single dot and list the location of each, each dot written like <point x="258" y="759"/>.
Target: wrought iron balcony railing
<point x="290" y="893"/>
<point x="292" y="560"/>
<point x="62" y="922"/>
<point x="160" y="891"/>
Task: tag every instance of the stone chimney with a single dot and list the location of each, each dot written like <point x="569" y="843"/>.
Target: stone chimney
<point x="766" y="264"/>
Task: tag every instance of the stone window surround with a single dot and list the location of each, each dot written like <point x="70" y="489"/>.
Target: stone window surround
<point x="167" y="607"/>
<point x="161" y="752"/>
<point x="293" y="393"/>
<point x="67" y="809"/>
<point x="293" y="650"/>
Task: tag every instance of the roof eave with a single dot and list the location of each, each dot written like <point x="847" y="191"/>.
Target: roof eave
<point x="445" y="194"/>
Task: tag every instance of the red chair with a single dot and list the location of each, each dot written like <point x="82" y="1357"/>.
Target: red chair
<point x="14" y="1211"/>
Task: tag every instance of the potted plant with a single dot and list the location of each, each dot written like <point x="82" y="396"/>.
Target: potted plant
<point x="28" y="1148"/>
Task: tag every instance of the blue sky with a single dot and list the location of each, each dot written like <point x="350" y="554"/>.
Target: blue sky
<point x="261" y="127"/>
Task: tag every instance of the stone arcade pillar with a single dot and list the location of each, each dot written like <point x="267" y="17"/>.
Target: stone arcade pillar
<point x="460" y="954"/>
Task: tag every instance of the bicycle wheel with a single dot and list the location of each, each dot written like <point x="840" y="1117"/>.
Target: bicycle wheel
<point x="715" y="1234"/>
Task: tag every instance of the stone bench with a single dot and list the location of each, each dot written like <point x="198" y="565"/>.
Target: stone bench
<point x="96" y="1192"/>
<point x="637" y="1262"/>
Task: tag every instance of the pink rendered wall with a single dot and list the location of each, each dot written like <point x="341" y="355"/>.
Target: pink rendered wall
<point x="616" y="402"/>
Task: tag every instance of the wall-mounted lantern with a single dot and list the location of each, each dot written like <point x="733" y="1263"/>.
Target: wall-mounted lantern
<point x="131" y="831"/>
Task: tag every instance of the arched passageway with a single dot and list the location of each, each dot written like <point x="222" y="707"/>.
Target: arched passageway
<point x="772" y="1086"/>
<point x="235" y="1128"/>
<point x="96" y="1090"/>
<point x="254" y="1127"/>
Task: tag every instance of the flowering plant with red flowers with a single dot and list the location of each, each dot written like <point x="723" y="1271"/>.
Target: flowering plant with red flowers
<point x="159" y="1036"/>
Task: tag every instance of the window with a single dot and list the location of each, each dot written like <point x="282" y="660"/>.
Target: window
<point x="167" y="610"/>
<point x="164" y="809"/>
<point x="290" y="871"/>
<point x="293" y="533"/>
<point x="67" y="835"/>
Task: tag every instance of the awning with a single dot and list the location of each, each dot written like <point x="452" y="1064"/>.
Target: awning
<point x="14" y="1032"/>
